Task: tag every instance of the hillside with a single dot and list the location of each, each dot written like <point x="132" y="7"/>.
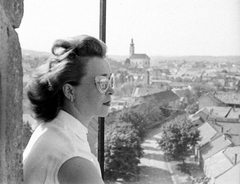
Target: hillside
<point x="33" y="53"/>
<point x="154" y="59"/>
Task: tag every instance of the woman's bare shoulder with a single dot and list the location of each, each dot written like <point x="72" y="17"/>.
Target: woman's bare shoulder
<point x="79" y="170"/>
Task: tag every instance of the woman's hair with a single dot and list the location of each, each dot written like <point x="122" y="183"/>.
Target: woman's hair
<point x="68" y="65"/>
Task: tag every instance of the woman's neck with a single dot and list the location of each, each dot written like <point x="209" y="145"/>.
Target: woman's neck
<point x="76" y="114"/>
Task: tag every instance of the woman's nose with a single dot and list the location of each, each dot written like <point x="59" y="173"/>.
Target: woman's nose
<point x="110" y="91"/>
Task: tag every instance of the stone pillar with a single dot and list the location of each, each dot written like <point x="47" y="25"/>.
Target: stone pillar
<point x="11" y="73"/>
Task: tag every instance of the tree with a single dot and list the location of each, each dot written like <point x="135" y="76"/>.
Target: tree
<point x="178" y="137"/>
<point x="217" y="84"/>
<point x="178" y="79"/>
<point x="201" y="89"/>
<point x="165" y="110"/>
<point x="122" y="152"/>
<point x="127" y="63"/>
<point x="191" y="109"/>
<point x="137" y="119"/>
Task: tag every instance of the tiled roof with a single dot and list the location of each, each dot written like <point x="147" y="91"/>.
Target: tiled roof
<point x="216" y="111"/>
<point x="142" y="91"/>
<point x="203" y="113"/>
<point x="203" y="110"/>
<point x="228" y="97"/>
<point x="230" y="153"/>
<point x="179" y="84"/>
<point x="182" y="92"/>
<point x="196" y="119"/>
<point x="213" y="166"/>
<point x="212" y="98"/>
<point x="231" y="176"/>
<point x="139" y="56"/>
<point x="207" y="132"/>
<point x="234" y="113"/>
<point x="164" y="96"/>
<point x="214" y="146"/>
<point x="231" y="129"/>
<point x="160" y="81"/>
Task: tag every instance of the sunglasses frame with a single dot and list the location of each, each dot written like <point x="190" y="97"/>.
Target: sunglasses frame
<point x="109" y="80"/>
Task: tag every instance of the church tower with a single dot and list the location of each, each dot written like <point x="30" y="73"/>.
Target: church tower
<point x="131" y="50"/>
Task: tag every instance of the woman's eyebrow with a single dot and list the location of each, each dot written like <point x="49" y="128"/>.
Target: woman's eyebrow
<point x="106" y="75"/>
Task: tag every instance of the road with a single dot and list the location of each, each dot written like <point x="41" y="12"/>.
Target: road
<point x="155" y="170"/>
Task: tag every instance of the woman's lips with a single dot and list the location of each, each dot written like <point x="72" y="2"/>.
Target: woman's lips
<point x="107" y="103"/>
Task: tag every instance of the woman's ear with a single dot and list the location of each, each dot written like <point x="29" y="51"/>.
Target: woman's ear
<point x="68" y="91"/>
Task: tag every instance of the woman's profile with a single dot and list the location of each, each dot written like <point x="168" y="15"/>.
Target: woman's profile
<point x="65" y="93"/>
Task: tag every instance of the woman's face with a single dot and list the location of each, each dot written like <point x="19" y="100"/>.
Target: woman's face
<point x="88" y="100"/>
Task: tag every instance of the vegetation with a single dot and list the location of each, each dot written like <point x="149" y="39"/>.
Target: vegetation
<point x="201" y="89"/>
<point x="191" y="109"/>
<point x="27" y="132"/>
<point x="136" y="119"/>
<point x="178" y="137"/>
<point x="122" y="152"/>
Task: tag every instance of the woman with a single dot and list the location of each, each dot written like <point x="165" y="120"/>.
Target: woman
<point x="65" y="94"/>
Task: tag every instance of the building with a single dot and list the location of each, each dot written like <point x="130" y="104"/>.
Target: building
<point x="162" y="98"/>
<point x="231" y="176"/>
<point x="138" y="60"/>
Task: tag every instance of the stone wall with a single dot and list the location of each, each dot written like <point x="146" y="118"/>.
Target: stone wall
<point x="11" y="73"/>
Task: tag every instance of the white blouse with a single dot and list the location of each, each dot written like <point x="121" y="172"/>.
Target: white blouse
<point x="51" y="145"/>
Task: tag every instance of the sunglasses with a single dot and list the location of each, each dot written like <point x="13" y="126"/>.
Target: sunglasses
<point x="103" y="83"/>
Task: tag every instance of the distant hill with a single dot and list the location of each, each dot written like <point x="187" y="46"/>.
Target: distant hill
<point x="33" y="53"/>
<point x="118" y="58"/>
<point x="197" y="58"/>
<point x="154" y="59"/>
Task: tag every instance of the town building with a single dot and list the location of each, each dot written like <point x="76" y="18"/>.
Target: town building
<point x="138" y="60"/>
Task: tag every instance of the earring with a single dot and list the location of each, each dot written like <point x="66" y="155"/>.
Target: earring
<point x="71" y="98"/>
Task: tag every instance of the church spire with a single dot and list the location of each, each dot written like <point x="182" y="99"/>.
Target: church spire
<point x="131" y="50"/>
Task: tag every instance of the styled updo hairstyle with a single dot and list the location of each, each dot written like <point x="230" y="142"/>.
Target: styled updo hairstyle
<point x="68" y="65"/>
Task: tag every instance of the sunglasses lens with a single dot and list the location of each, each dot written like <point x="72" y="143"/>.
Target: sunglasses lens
<point x="103" y="83"/>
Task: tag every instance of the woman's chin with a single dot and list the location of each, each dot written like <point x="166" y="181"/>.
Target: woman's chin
<point x="104" y="112"/>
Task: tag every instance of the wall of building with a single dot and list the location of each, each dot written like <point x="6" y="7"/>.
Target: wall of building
<point x="11" y="73"/>
<point x="141" y="63"/>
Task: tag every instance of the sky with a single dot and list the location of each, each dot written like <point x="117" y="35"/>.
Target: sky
<point x="157" y="27"/>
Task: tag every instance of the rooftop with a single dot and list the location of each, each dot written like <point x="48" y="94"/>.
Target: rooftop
<point x="207" y="132"/>
<point x="216" y="111"/>
<point x="214" y="165"/>
<point x="215" y="146"/>
<point x="230" y="153"/>
<point x="231" y="129"/>
<point x="230" y="176"/>
<point x="228" y="97"/>
<point x="139" y="56"/>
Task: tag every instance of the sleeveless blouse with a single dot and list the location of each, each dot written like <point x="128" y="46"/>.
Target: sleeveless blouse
<point x="51" y="145"/>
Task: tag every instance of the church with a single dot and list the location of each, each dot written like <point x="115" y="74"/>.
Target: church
<point x="138" y="60"/>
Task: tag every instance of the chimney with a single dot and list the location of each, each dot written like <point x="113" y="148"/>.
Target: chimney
<point x="222" y="129"/>
<point x="211" y="111"/>
<point x="235" y="158"/>
<point x="148" y="77"/>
